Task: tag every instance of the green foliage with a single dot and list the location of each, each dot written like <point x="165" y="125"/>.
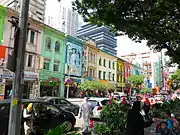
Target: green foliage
<point x="114" y="116"/>
<point x="176" y="79"/>
<point x="60" y="130"/>
<point x="146" y="90"/>
<point x="156" y="21"/>
<point x="158" y="110"/>
<point x="136" y="80"/>
<point x="96" y="85"/>
<point x="101" y="129"/>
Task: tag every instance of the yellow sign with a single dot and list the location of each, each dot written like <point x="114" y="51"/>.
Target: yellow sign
<point x="68" y="85"/>
<point x="121" y="85"/>
<point x="14" y="102"/>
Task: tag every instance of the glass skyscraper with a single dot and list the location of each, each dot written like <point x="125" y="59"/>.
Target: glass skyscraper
<point x="105" y="40"/>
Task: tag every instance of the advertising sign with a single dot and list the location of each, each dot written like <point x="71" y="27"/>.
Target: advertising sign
<point x="74" y="59"/>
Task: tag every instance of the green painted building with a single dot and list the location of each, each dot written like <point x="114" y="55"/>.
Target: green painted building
<point x="2" y="20"/>
<point x="52" y="63"/>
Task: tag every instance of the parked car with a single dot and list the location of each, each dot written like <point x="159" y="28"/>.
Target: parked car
<point x="118" y="94"/>
<point x="158" y="98"/>
<point x="63" y="104"/>
<point x="97" y="105"/>
<point x="44" y="117"/>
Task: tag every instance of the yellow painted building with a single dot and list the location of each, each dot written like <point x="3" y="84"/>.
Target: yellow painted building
<point x="120" y="74"/>
<point x="106" y="65"/>
<point x="90" y="51"/>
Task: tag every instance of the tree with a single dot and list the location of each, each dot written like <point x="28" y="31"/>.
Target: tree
<point x="156" y="21"/>
<point x="96" y="85"/>
<point x="176" y="79"/>
<point x="136" y="80"/>
<point x="146" y="90"/>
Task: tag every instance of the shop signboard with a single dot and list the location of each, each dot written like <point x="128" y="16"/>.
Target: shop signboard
<point x="30" y="75"/>
<point x="6" y="74"/>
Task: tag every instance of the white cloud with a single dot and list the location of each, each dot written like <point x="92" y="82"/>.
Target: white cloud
<point x="125" y="46"/>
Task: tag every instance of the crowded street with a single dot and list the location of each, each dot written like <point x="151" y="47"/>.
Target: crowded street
<point x="89" y="67"/>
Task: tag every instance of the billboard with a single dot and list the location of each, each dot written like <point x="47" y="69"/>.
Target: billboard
<point x="74" y="59"/>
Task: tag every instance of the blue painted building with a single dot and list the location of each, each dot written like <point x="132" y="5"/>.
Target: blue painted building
<point x="73" y="65"/>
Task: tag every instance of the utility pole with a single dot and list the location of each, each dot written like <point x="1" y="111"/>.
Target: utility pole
<point x="18" y="84"/>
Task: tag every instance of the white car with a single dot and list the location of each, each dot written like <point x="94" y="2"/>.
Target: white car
<point x="118" y="94"/>
<point x="158" y="98"/>
<point x="97" y="105"/>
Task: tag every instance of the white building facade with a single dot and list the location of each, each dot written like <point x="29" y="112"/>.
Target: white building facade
<point x="36" y="7"/>
<point x="32" y="57"/>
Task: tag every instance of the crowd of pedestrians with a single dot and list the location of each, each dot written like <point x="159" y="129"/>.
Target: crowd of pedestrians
<point x="138" y="118"/>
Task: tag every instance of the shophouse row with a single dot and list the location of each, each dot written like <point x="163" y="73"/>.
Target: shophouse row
<point x="53" y="59"/>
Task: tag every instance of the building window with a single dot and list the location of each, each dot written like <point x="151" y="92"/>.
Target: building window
<point x="100" y="72"/>
<point x="94" y="58"/>
<point x="104" y="63"/>
<point x="109" y="64"/>
<point x="46" y="64"/>
<point x="113" y="77"/>
<point x="48" y="43"/>
<point x="109" y="76"/>
<point x="93" y="72"/>
<point x="30" y="60"/>
<point x="90" y="72"/>
<point x="100" y="62"/>
<point x="113" y="65"/>
<point x="32" y="37"/>
<point x="56" y="66"/>
<point x="104" y="75"/>
<point x="57" y="47"/>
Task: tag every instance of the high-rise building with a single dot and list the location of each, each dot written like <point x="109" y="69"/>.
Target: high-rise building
<point x="36" y="7"/>
<point x="146" y="61"/>
<point x="61" y="17"/>
<point x="105" y="40"/>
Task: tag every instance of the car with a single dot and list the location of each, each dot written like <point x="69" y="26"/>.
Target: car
<point x="158" y="98"/>
<point x="63" y="104"/>
<point x="118" y="94"/>
<point x="45" y="116"/>
<point x="97" y="105"/>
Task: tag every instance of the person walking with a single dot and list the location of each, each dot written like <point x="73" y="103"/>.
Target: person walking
<point x="85" y="113"/>
<point x="135" y="121"/>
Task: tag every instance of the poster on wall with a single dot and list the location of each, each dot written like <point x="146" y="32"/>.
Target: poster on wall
<point x="74" y="59"/>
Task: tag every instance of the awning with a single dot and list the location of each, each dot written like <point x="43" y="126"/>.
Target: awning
<point x="105" y="81"/>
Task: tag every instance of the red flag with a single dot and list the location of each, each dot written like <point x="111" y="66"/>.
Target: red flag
<point x="2" y="52"/>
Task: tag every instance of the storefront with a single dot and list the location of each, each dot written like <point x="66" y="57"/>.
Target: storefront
<point x="50" y="87"/>
<point x="31" y="84"/>
<point x="72" y="83"/>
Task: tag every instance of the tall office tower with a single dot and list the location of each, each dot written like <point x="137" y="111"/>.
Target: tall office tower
<point x="36" y="7"/>
<point x="61" y="16"/>
<point x="105" y="40"/>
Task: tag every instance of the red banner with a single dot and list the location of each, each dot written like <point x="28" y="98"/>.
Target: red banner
<point x="2" y="52"/>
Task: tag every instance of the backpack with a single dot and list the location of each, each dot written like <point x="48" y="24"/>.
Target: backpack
<point x="171" y="121"/>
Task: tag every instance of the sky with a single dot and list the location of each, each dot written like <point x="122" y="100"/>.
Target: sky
<point x="124" y="44"/>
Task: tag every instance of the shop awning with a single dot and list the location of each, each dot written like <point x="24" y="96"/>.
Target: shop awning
<point x="105" y="81"/>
